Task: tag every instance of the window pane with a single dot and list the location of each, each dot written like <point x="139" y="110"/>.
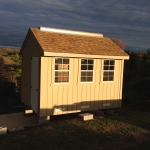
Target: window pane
<point x="105" y="78"/>
<point x="83" y="79"/>
<point x="58" y="60"/>
<point x="112" y="62"/>
<point x="65" y="67"/>
<point x="111" y="78"/>
<point x="90" y="67"/>
<point x="89" y="78"/>
<point x="83" y="67"/>
<point x="90" y="74"/>
<point x="65" y="74"/>
<point x="111" y="73"/>
<point x="109" y="65"/>
<point x="60" y="67"/>
<point x="90" y="61"/>
<point x="83" y="74"/>
<point x="65" y="61"/>
<point x="65" y="79"/>
<point x="58" y="73"/>
<point x="106" y="68"/>
<point x="57" y="79"/>
<point x="111" y="68"/>
<point x="56" y="67"/>
<point x="106" y="62"/>
<point x="105" y="73"/>
<point x="83" y="61"/>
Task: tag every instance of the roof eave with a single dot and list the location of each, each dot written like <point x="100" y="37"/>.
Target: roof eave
<point x="54" y="54"/>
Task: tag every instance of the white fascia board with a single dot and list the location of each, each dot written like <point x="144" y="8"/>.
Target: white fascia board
<point x="84" y="55"/>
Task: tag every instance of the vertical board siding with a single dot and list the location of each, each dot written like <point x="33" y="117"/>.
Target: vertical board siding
<point x="49" y="83"/>
<point x="59" y="99"/>
<point x="121" y="80"/>
<point x="43" y="86"/>
<point x="35" y="84"/>
<point x="117" y="68"/>
<point x="74" y="80"/>
<point x="31" y="49"/>
<point x="69" y="97"/>
<point x="54" y="99"/>
<point x="83" y="96"/>
<point x="74" y="97"/>
<point x="79" y="96"/>
<point x="88" y="96"/>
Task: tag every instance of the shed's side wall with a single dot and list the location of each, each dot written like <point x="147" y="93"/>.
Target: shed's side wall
<point x="31" y="49"/>
<point x="60" y="98"/>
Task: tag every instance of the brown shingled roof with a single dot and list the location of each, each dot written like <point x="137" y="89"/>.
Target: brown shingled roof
<point x="76" y="44"/>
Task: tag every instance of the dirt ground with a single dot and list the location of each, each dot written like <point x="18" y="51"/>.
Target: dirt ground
<point x="17" y="120"/>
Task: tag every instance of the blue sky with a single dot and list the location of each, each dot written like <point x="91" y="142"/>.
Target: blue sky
<point x="128" y="20"/>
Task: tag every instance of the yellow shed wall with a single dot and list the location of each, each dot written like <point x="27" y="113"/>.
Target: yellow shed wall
<point x="61" y="98"/>
<point x="31" y="49"/>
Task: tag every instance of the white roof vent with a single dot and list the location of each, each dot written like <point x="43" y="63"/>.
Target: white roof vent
<point x="71" y="32"/>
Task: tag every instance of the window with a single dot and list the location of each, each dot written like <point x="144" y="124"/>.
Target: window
<point x="86" y="70"/>
<point x="108" y="70"/>
<point x="61" y="70"/>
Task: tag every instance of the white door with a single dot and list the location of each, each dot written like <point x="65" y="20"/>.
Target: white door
<point x="34" y="83"/>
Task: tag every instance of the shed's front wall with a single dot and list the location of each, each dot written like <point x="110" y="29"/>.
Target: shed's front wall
<point x="30" y="50"/>
<point x="61" y="98"/>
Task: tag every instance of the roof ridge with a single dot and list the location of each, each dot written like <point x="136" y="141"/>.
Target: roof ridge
<point x="72" y="32"/>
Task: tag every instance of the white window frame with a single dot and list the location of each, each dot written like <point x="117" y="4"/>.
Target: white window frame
<point x="86" y="71"/>
<point x="108" y="70"/>
<point x="62" y="70"/>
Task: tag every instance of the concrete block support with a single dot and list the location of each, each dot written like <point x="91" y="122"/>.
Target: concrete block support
<point x="86" y="116"/>
<point x="44" y="120"/>
<point x="3" y="130"/>
<point x="29" y="111"/>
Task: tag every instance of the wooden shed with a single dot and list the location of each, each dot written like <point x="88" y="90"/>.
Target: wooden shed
<point x="66" y="71"/>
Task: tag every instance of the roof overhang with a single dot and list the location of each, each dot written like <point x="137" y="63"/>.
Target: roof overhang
<point x="53" y="54"/>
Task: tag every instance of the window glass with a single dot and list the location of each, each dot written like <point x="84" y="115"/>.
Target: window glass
<point x="83" y="61"/>
<point x="108" y="70"/>
<point x="86" y="71"/>
<point x="90" y="61"/>
<point x="58" y="60"/>
<point x="90" y="67"/>
<point x="84" y="67"/>
<point x="65" y="61"/>
<point x="61" y="70"/>
<point x="106" y="62"/>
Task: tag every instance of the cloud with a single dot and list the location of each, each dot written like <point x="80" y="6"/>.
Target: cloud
<point x="121" y="19"/>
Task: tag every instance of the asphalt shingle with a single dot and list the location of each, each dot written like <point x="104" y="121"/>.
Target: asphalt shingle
<point x="76" y="44"/>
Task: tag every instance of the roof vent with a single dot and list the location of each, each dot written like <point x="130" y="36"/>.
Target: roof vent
<point x="71" y="32"/>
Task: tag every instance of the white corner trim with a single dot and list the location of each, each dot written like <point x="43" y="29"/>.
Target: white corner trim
<point x="64" y="31"/>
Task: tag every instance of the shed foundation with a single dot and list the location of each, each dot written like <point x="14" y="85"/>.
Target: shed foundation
<point x="86" y="116"/>
<point x="3" y="130"/>
<point x="44" y="120"/>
